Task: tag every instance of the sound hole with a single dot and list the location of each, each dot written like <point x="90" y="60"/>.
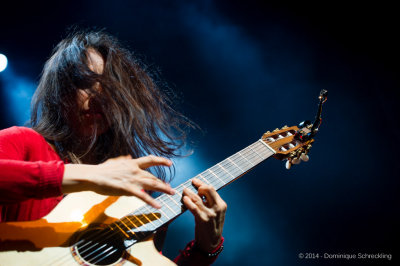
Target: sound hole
<point x="99" y="246"/>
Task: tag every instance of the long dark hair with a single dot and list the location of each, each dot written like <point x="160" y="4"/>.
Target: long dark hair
<point x="141" y="116"/>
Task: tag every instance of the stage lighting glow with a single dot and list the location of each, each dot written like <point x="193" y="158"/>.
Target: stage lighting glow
<point x="3" y="62"/>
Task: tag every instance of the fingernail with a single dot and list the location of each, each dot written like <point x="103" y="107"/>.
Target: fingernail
<point x="157" y="205"/>
<point x="173" y="191"/>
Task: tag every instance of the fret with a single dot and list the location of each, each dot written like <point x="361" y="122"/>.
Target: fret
<point x="188" y="184"/>
<point x="211" y="178"/>
<point x="150" y="222"/>
<point x="172" y="211"/>
<point x="178" y="196"/>
<point x="266" y="145"/>
<point x="135" y="226"/>
<point x="176" y="203"/>
<point x="147" y="218"/>
<point x="157" y="219"/>
<point x="127" y="225"/>
<point x="165" y="211"/>
<point x="120" y="229"/>
<point x="200" y="176"/>
<point x="264" y="150"/>
<point x="118" y="224"/>
<point x="214" y="173"/>
<point x="256" y="152"/>
<point x="233" y="169"/>
<point x="253" y="149"/>
<point x="153" y="212"/>
<point x="225" y="169"/>
<point x="221" y="173"/>
<point x="236" y="164"/>
<point x="242" y="161"/>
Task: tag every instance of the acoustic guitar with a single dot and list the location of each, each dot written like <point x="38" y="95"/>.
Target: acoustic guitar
<point x="82" y="230"/>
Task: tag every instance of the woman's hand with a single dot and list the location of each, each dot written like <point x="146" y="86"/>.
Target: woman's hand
<point x="209" y="214"/>
<point x="118" y="176"/>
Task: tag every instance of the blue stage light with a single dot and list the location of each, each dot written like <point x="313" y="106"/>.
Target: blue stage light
<point x="3" y="62"/>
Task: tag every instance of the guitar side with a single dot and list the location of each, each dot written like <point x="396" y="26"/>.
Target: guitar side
<point x="46" y="241"/>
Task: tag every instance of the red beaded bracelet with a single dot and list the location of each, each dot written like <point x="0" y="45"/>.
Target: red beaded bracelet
<point x="216" y="252"/>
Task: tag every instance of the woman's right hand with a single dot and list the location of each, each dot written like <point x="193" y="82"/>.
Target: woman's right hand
<point x="118" y="176"/>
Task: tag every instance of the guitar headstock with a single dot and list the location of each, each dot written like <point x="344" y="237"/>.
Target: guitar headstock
<point x="290" y="143"/>
<point x="294" y="143"/>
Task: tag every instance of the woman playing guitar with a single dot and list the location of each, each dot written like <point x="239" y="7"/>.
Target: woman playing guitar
<point x="99" y="120"/>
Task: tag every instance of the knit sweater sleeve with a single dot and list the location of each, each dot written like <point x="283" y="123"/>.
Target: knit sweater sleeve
<point x="28" y="167"/>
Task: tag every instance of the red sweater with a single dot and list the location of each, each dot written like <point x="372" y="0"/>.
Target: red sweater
<point x="30" y="175"/>
<point x="30" y="183"/>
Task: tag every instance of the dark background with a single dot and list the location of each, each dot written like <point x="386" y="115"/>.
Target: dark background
<point x="242" y="68"/>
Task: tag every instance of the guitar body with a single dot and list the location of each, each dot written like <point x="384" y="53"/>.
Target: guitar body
<point x="49" y="241"/>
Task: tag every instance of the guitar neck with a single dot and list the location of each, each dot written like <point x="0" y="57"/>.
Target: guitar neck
<point x="149" y="219"/>
<point x="232" y="167"/>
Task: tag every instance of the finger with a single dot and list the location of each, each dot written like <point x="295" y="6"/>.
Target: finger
<point x="151" y="160"/>
<point x="197" y="182"/>
<point x="213" y="199"/>
<point x="156" y="185"/>
<point x="147" y="198"/>
<point x="194" y="208"/>
<point x="146" y="174"/>
<point x="148" y="181"/>
<point x="207" y="191"/>
<point x="195" y="199"/>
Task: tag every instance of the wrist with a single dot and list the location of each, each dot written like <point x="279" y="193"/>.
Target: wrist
<point x="211" y="252"/>
<point x="76" y="178"/>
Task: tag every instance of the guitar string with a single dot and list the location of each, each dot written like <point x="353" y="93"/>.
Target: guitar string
<point x="205" y="176"/>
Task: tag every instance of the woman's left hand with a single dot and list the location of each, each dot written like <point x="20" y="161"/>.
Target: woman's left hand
<point x="209" y="214"/>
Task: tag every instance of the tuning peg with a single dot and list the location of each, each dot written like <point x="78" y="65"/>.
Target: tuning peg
<point x="276" y="129"/>
<point x="296" y="161"/>
<point x="304" y="157"/>
<point x="285" y="127"/>
<point x="288" y="164"/>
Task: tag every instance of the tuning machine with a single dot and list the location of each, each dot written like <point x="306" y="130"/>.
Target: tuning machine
<point x="304" y="157"/>
<point x="295" y="157"/>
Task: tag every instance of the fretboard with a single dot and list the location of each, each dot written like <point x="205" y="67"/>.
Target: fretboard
<point x="148" y="219"/>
